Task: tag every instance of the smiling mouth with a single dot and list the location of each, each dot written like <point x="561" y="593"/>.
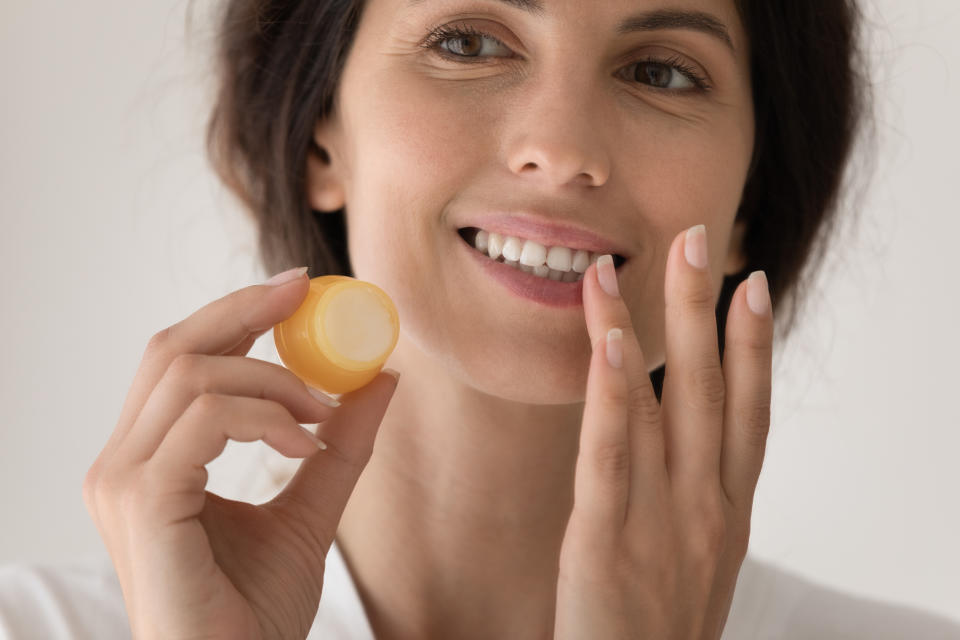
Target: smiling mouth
<point x="558" y="263"/>
<point x="469" y="235"/>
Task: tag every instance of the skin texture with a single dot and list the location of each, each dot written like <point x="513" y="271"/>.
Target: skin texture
<point x="514" y="483"/>
<point x="493" y="382"/>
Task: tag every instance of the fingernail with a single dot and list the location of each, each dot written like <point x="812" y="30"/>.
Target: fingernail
<point x="607" y="275"/>
<point x="758" y="293"/>
<point x="317" y="441"/>
<point x="615" y="348"/>
<point x="286" y="276"/>
<point x="695" y="246"/>
<point x="323" y="398"/>
<point x="392" y="372"/>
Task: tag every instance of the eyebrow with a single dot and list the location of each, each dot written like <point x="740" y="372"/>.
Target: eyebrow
<point x="647" y="21"/>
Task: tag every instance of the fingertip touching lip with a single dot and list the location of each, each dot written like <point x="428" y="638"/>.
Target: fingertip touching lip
<point x="548" y="233"/>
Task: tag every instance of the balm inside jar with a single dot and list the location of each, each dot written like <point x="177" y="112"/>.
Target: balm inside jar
<point x="341" y="335"/>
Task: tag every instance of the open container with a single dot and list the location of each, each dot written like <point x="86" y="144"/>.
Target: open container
<point x="341" y="335"/>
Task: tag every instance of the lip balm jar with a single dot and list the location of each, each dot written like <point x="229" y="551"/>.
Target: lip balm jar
<point x="340" y="337"/>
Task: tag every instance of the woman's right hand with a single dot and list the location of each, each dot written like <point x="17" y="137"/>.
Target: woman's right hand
<point x="193" y="564"/>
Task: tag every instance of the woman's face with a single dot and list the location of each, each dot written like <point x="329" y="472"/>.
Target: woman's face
<point x="565" y="116"/>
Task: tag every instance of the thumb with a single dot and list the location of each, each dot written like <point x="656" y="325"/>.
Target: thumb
<point x="324" y="481"/>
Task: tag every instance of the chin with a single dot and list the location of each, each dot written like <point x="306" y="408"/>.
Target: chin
<point x="528" y="384"/>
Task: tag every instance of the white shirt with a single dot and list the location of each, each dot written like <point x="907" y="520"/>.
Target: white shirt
<point x="83" y="600"/>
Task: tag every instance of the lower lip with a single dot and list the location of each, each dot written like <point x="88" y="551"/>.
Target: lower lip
<point x="526" y="285"/>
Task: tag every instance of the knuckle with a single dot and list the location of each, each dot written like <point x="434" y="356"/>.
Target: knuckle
<point x="757" y="346"/>
<point x="612" y="462"/>
<point x="131" y="500"/>
<point x="281" y="372"/>
<point x="112" y="485"/>
<point x="648" y="557"/>
<point x="697" y="300"/>
<point x="738" y="540"/>
<point x="706" y="545"/>
<point x="207" y="404"/>
<point x="709" y="532"/>
<point x="90" y="486"/>
<point x="159" y="341"/>
<point x="159" y="348"/>
<point x="152" y="493"/>
<point x="753" y="423"/>
<point x="189" y="366"/>
<point x="101" y="491"/>
<point x="707" y="386"/>
<point x="277" y="413"/>
<point x="643" y="407"/>
<point x="614" y="398"/>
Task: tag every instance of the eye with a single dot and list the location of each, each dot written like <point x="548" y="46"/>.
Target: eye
<point x="464" y="44"/>
<point x="669" y="74"/>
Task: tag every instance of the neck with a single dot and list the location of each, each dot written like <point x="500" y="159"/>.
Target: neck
<point x="454" y="528"/>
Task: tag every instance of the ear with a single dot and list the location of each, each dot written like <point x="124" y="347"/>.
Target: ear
<point x="325" y="189"/>
<point x="736" y="260"/>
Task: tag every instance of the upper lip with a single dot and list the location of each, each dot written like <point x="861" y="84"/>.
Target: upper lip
<point x="545" y="230"/>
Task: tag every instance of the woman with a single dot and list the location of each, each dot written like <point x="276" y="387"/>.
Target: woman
<point x="559" y="460"/>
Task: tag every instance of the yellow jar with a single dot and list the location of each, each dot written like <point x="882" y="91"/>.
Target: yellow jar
<point x="341" y="335"/>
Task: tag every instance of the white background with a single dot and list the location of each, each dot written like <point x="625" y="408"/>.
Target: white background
<point x="114" y="227"/>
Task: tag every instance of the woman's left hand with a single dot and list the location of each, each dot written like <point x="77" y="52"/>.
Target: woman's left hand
<point x="664" y="491"/>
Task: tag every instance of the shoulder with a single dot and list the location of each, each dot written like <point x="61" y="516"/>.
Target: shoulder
<point x="770" y="602"/>
<point x="81" y="599"/>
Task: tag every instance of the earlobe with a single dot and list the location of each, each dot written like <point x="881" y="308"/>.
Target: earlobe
<point x="324" y="188"/>
<point x="736" y="260"/>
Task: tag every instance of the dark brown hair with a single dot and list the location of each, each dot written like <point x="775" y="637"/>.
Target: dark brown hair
<point x="279" y="63"/>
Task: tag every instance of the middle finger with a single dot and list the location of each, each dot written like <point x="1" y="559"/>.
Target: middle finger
<point x="191" y="375"/>
<point x="693" y="387"/>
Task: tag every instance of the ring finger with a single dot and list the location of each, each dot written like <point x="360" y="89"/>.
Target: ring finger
<point x="201" y="433"/>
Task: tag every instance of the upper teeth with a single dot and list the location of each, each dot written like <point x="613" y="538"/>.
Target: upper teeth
<point x="553" y="262"/>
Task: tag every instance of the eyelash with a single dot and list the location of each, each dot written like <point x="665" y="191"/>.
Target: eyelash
<point x="446" y="32"/>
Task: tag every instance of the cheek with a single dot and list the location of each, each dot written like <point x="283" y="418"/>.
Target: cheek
<point x="413" y="149"/>
<point x="416" y="142"/>
<point x="416" y="132"/>
<point x="686" y="175"/>
<point x="681" y="175"/>
<point x="405" y="163"/>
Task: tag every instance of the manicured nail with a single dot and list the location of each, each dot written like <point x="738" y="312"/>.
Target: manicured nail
<point x="392" y="372"/>
<point x="758" y="293"/>
<point x="615" y="348"/>
<point x="607" y="275"/>
<point x="317" y="441"/>
<point x="695" y="246"/>
<point x="322" y="397"/>
<point x="286" y="276"/>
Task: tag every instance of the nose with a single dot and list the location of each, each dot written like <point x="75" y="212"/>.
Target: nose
<point x="558" y="137"/>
